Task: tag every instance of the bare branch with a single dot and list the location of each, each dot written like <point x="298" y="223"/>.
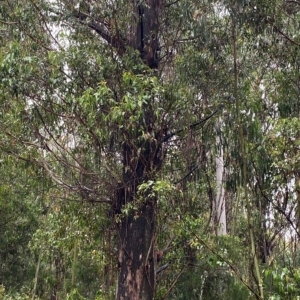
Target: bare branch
<point x="293" y="1"/>
<point x="169" y="4"/>
<point x="202" y="121"/>
<point x="78" y="188"/>
<point x="285" y="35"/>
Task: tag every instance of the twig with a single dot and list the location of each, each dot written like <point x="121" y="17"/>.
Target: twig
<point x="168" y="136"/>
<point x="174" y="281"/>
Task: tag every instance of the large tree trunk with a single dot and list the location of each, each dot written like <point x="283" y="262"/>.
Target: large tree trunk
<point x="136" y="256"/>
<point x="137" y="261"/>
<point x="136" y="279"/>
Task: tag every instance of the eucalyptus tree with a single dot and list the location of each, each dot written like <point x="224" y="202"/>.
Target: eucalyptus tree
<point x="118" y="102"/>
<point x="262" y="78"/>
<point x="90" y="83"/>
<point x="261" y="67"/>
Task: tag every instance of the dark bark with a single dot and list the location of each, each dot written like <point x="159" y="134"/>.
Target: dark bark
<point x="147" y="31"/>
<point x="57" y="288"/>
<point x="136" y="230"/>
<point x="136" y="280"/>
<point x="136" y="260"/>
<point x="142" y="34"/>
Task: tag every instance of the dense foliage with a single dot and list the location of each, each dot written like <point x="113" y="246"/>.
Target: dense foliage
<point x="149" y="149"/>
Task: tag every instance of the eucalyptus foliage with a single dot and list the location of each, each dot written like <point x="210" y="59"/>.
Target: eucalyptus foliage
<point x="108" y="143"/>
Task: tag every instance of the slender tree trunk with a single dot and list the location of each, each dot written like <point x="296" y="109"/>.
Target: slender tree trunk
<point x="58" y="264"/>
<point x="220" y="204"/>
<point x="258" y="278"/>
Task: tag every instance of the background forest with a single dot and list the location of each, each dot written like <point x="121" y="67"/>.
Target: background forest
<point x="149" y="149"/>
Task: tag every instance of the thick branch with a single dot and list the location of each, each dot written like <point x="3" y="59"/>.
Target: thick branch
<point x="116" y="41"/>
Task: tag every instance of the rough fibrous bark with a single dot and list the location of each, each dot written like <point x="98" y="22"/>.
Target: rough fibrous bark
<point x="147" y="32"/>
<point x="136" y="259"/>
<point x="136" y="280"/>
